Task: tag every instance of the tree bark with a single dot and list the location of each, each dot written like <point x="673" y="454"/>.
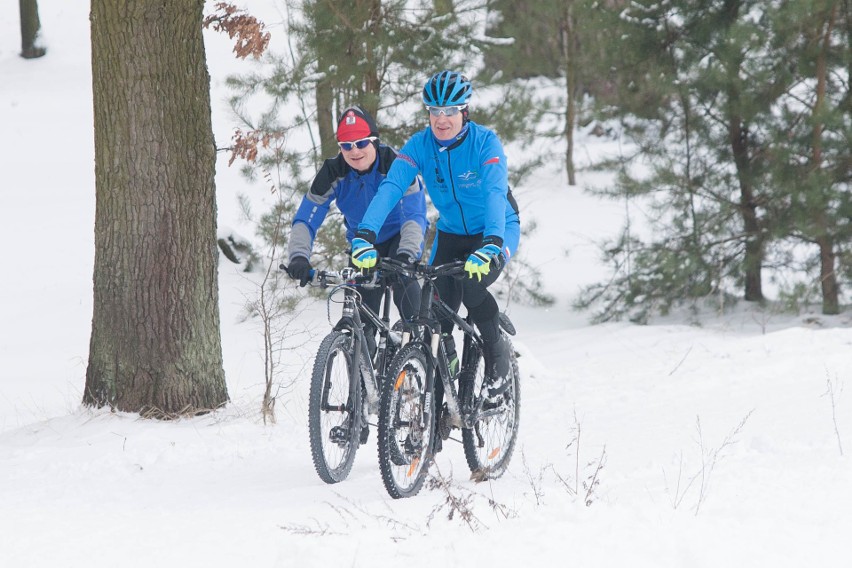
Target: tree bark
<point x="155" y="344"/>
<point x="825" y="240"/>
<point x="569" y="64"/>
<point x="324" y="98"/>
<point x="754" y="240"/>
<point x="30" y="26"/>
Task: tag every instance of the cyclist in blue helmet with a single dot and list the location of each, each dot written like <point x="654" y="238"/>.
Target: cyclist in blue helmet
<point x="464" y="168"/>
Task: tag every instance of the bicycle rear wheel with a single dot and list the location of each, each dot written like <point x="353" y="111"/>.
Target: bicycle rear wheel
<point x="490" y="443"/>
<point x="406" y="422"/>
<point x="334" y="409"/>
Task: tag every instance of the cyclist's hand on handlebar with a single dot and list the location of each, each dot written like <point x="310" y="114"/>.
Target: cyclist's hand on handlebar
<point x="404" y="258"/>
<point x="364" y="254"/>
<point x="300" y="269"/>
<point x="479" y="262"/>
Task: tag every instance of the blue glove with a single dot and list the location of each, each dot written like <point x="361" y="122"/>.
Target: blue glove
<point x="364" y="255"/>
<point x="479" y="262"/>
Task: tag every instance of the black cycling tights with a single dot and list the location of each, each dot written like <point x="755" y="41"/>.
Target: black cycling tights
<point x="479" y="302"/>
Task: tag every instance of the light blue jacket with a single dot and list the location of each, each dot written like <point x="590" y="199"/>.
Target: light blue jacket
<point x="467" y="181"/>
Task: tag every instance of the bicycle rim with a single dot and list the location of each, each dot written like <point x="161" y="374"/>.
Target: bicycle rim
<point x="334" y="409"/>
<point x="490" y="443"/>
<point x="406" y="423"/>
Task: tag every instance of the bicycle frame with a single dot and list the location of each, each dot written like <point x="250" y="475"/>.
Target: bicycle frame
<point x="354" y="313"/>
<point x="432" y="309"/>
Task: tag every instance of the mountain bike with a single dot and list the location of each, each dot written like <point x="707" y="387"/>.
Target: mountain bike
<point x="409" y="429"/>
<point x="346" y="381"/>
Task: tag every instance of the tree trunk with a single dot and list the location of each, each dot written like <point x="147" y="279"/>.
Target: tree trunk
<point x="155" y="344"/>
<point x="754" y="239"/>
<point x="828" y="276"/>
<point x="372" y="82"/>
<point x="30" y="26"/>
<point x="825" y="242"/>
<point x="571" y="91"/>
<point x="324" y="97"/>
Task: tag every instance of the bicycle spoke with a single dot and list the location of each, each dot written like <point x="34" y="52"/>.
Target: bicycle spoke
<point x="489" y="445"/>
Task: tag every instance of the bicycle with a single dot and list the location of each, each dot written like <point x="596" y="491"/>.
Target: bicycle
<point x="408" y="430"/>
<point x="346" y="381"/>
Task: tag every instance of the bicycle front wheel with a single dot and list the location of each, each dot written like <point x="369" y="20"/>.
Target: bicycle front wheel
<point x="406" y="422"/>
<point x="490" y="443"/>
<point x="334" y="408"/>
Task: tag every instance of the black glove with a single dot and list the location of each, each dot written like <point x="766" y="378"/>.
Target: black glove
<point x="300" y="269"/>
<point x="404" y="258"/>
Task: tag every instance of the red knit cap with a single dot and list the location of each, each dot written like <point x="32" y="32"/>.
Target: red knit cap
<point x="355" y="123"/>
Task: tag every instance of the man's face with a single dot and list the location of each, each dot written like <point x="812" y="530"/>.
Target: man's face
<point x="360" y="159"/>
<point x="446" y="127"/>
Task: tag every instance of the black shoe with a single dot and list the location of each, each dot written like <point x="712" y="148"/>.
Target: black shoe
<point x="497" y="380"/>
<point x="365" y="434"/>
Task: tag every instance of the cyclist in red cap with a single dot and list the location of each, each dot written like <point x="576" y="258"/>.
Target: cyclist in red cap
<point x="351" y="179"/>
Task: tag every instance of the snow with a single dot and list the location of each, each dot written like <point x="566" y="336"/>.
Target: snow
<point x="753" y="400"/>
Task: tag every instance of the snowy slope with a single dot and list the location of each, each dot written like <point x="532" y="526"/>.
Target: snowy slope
<point x="720" y="444"/>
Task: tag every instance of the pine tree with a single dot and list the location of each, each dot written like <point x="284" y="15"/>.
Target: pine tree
<point x="812" y="161"/>
<point x="697" y="88"/>
<point x="556" y="41"/>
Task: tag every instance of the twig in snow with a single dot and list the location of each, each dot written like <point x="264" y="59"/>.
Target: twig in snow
<point x="685" y="355"/>
<point x="830" y="390"/>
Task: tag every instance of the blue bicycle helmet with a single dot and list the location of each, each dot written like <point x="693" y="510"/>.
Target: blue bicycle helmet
<point x="447" y="88"/>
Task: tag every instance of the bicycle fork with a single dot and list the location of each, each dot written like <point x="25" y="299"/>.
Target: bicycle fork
<point x="363" y="369"/>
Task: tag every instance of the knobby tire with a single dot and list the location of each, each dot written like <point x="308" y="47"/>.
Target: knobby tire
<point x="334" y="409"/>
<point x="406" y="422"/>
<point x="497" y="425"/>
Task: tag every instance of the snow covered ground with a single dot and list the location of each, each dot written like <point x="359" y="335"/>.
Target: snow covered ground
<point x="724" y="444"/>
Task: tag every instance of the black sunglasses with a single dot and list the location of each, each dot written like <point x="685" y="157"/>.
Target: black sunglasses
<point x="360" y="144"/>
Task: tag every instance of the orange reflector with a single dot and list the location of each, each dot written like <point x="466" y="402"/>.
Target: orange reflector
<point x="413" y="467"/>
<point x="493" y="453"/>
<point x="399" y="380"/>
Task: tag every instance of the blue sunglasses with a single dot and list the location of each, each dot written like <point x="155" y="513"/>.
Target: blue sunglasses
<point x="360" y="144"/>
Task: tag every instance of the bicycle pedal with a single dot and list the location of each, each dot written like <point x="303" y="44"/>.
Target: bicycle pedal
<point x="444" y="428"/>
<point x="339" y="435"/>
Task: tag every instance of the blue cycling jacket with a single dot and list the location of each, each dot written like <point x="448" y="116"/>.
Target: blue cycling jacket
<point x="467" y="181"/>
<point x="353" y="191"/>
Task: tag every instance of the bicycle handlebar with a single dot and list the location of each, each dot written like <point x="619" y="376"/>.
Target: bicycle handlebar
<point x="385" y="267"/>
